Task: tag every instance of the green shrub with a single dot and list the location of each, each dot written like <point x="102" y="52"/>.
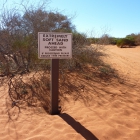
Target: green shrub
<point x="79" y="40"/>
<point x="113" y="40"/>
<point x="125" y="42"/>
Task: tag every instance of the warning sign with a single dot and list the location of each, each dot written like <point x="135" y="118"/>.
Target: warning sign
<point x="54" y="45"/>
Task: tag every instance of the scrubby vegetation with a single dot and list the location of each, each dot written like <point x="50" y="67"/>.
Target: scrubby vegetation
<point x="125" y="42"/>
<point x="128" y="41"/>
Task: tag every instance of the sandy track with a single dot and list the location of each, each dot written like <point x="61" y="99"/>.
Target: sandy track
<point x="125" y="60"/>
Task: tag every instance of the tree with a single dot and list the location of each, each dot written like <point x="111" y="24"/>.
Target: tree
<point x="19" y="35"/>
<point x="104" y="40"/>
<point x="35" y="21"/>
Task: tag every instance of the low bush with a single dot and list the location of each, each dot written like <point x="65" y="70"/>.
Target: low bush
<point x="125" y="42"/>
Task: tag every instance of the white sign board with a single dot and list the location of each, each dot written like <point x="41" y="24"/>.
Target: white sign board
<point x="54" y="45"/>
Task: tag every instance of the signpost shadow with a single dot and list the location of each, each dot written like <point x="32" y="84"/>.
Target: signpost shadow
<point x="78" y="127"/>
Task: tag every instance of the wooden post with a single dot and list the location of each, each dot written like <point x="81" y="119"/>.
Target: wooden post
<point x="54" y="86"/>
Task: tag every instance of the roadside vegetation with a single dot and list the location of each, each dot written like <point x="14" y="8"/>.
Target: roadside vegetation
<point x="126" y="42"/>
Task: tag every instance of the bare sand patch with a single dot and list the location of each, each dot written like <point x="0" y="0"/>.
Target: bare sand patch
<point x="125" y="60"/>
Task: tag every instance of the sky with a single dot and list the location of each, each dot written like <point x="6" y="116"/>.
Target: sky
<point x="116" y="18"/>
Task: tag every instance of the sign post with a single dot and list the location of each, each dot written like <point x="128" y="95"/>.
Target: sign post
<point x="54" y="46"/>
<point x="54" y="86"/>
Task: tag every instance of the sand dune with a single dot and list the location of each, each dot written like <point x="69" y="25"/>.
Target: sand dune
<point x="112" y="113"/>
